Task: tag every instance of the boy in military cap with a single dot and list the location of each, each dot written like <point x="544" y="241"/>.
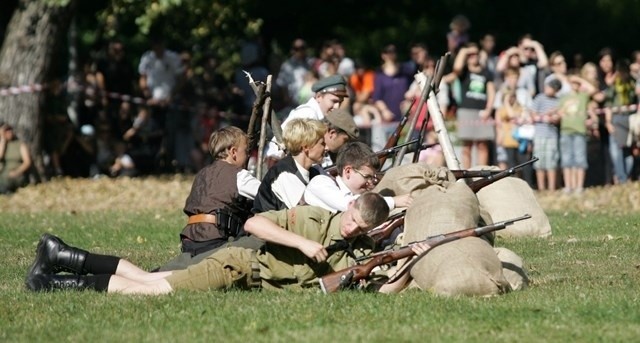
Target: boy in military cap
<point x="294" y="256"/>
<point x="341" y="128"/>
<point x="329" y="94"/>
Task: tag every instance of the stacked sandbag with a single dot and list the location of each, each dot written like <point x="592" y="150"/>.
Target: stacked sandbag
<point x="467" y="266"/>
<point x="513" y="268"/>
<point x="464" y="267"/>
<point x="509" y="198"/>
<point x="412" y="179"/>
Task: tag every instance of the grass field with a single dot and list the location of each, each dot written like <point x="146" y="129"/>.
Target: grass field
<point x="584" y="285"/>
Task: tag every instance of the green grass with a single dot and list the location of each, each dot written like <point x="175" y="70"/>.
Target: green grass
<point x="584" y="289"/>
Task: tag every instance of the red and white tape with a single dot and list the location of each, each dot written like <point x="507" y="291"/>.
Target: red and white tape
<point x="16" y="90"/>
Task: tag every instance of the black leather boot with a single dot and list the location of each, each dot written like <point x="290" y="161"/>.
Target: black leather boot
<point x="54" y="256"/>
<point x="46" y="283"/>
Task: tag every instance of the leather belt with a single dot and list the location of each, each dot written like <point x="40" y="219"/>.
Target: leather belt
<point x="202" y="218"/>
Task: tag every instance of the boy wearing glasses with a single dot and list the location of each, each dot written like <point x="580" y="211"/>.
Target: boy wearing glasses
<point x="357" y="165"/>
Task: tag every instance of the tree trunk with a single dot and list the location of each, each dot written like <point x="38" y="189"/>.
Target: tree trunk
<point x="25" y="58"/>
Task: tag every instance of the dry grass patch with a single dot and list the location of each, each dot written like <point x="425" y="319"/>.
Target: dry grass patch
<point x="170" y="192"/>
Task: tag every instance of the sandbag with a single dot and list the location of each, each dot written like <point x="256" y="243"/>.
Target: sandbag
<point x="464" y="267"/>
<point x="513" y="268"/>
<point x="412" y="178"/>
<point x="438" y="210"/>
<point x="509" y="198"/>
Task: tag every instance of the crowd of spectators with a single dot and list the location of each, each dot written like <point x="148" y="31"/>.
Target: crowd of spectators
<point x="508" y="106"/>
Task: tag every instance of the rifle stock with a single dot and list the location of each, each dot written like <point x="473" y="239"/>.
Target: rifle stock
<point x="335" y="281"/>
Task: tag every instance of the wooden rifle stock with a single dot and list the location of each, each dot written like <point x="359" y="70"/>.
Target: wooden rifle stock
<point x="335" y="281"/>
<point x="384" y="231"/>
<point x="479" y="184"/>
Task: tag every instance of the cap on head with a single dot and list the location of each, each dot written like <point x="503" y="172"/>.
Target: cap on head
<point x="555" y="84"/>
<point x="344" y="121"/>
<point x="334" y="84"/>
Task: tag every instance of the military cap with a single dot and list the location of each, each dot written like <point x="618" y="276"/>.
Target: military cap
<point x="334" y="84"/>
<point x="343" y="120"/>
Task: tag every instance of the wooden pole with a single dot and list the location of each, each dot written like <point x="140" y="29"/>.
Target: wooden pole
<point x="266" y="113"/>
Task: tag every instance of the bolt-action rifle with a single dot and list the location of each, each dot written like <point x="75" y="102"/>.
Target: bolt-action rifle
<point x="335" y="281"/>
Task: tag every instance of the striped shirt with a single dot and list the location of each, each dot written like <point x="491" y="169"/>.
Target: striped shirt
<point x="543" y="104"/>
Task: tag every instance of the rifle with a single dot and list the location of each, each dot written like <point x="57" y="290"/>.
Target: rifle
<point x="382" y="154"/>
<point x="479" y="184"/>
<point x="423" y="97"/>
<point x="435" y="86"/>
<point x="464" y="173"/>
<point x="383" y="231"/>
<point x="335" y="281"/>
<point x="393" y="139"/>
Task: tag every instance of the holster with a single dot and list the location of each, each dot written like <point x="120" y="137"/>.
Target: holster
<point x="230" y="223"/>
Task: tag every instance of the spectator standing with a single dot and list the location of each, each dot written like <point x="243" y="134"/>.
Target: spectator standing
<point x="545" y="116"/>
<point x="573" y="133"/>
<point x="558" y="67"/>
<point x="511" y="59"/>
<point x="620" y="93"/>
<point x="488" y="57"/>
<point x="474" y="122"/>
<point x="115" y="77"/>
<point x="534" y="60"/>
<point x="390" y="84"/>
<point x="508" y="116"/>
<point x="160" y="70"/>
<point x="292" y="72"/>
<point x="361" y="83"/>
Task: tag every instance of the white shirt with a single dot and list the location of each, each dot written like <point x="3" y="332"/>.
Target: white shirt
<point x="161" y="73"/>
<point x="289" y="188"/>
<point x="247" y="184"/>
<point x="309" y="110"/>
<point x="332" y="195"/>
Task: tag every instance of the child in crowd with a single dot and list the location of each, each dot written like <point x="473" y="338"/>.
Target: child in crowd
<point x="216" y="205"/>
<point x="357" y="165"/>
<point x="573" y="132"/>
<point x="284" y="184"/>
<point x="544" y="112"/>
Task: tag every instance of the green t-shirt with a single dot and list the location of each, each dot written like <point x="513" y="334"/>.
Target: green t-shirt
<point x="574" y="113"/>
<point x="284" y="267"/>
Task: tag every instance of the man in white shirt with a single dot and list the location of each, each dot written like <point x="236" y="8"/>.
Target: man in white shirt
<point x="357" y="165"/>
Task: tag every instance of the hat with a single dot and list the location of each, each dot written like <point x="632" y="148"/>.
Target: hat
<point x="343" y="120"/>
<point x="555" y="84"/>
<point x="334" y="84"/>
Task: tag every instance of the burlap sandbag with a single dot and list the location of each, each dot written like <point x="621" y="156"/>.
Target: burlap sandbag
<point x="464" y="267"/>
<point x="412" y="178"/>
<point x="437" y="210"/>
<point x="509" y="198"/>
<point x="513" y="268"/>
